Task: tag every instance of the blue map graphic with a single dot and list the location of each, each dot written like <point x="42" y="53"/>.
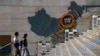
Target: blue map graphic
<point x="44" y="25"/>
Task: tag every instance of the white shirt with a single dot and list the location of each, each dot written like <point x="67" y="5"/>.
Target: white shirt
<point x="15" y="40"/>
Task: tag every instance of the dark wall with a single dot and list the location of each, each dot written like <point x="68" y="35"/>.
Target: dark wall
<point x="5" y="39"/>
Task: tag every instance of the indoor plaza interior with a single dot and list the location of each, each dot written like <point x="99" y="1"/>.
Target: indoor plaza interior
<point x="52" y="27"/>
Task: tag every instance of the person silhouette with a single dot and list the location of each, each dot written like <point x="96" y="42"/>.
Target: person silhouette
<point x="25" y="45"/>
<point x="16" y="44"/>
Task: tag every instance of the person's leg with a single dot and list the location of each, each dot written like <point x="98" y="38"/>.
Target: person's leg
<point x="16" y="52"/>
<point x="23" y="52"/>
<point x="19" y="52"/>
<point x="27" y="51"/>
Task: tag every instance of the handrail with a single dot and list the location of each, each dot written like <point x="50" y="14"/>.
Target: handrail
<point x="91" y="5"/>
<point x="88" y="16"/>
<point x="8" y="45"/>
<point x="5" y="45"/>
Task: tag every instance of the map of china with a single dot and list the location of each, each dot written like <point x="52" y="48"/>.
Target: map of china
<point x="42" y="24"/>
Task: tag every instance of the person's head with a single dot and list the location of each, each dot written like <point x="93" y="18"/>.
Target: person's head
<point x="25" y="35"/>
<point x="16" y="34"/>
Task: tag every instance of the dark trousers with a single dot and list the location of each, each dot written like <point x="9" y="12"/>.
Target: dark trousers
<point x="17" y="52"/>
<point x="27" y="51"/>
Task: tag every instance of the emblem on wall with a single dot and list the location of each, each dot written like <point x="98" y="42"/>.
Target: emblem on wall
<point x="67" y="21"/>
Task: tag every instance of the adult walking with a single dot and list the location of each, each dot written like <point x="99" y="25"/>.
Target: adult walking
<point x="16" y="44"/>
<point x="25" y="46"/>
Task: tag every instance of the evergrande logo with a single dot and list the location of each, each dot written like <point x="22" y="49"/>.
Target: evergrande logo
<point x="67" y="21"/>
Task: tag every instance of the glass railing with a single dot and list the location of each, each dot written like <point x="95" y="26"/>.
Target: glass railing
<point x="6" y="50"/>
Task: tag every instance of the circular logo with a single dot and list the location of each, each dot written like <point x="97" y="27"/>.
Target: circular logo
<point x="67" y="21"/>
